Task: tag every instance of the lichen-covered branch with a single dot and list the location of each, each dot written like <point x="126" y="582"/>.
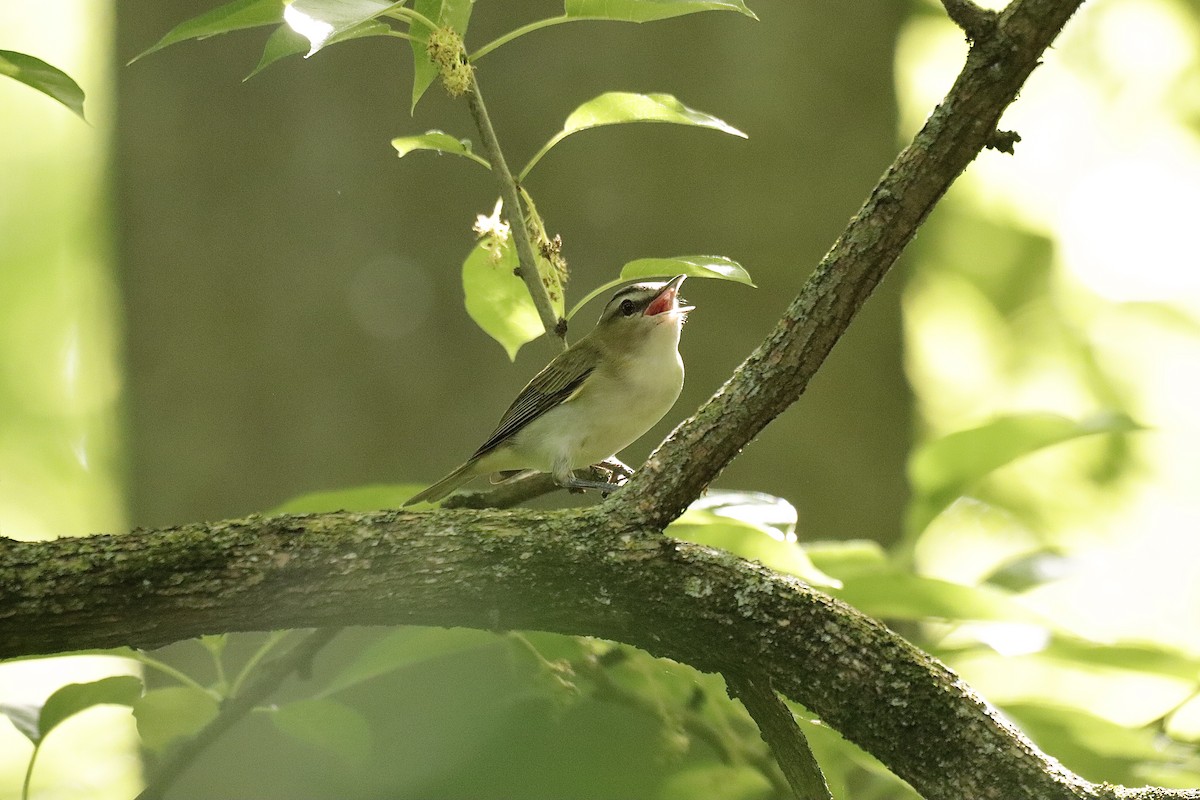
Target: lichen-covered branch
<point x="777" y="373"/>
<point x="572" y="572"/>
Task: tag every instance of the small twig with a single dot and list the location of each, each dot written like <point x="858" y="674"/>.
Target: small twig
<point x="526" y="256"/>
<point x="272" y="674"/>
<point x="781" y="733"/>
<point x="978" y="23"/>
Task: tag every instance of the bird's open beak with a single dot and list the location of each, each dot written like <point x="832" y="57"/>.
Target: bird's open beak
<point x="668" y="299"/>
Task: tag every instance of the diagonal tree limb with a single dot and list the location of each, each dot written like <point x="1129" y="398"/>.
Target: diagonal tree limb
<point x="777" y="373"/>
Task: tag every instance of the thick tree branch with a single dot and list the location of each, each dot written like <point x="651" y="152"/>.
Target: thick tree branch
<point x="778" y="372"/>
<point x="573" y="572"/>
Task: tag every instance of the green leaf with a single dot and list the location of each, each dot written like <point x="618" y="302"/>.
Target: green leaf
<point x="874" y="585"/>
<point x="405" y="647"/>
<point x="48" y="80"/>
<point x="1148" y="659"/>
<point x="752" y="525"/>
<point x="1096" y="748"/>
<point x="649" y="10"/>
<point x="717" y="267"/>
<point x="438" y="142"/>
<point x="693" y="266"/>
<point x="122" y="690"/>
<point x="321" y="22"/>
<point x="498" y="300"/>
<point x="904" y="595"/>
<point x="284" y="42"/>
<point x="164" y="715"/>
<point x="943" y="470"/>
<point x="454" y="14"/>
<point x="235" y="16"/>
<point x="358" y="498"/>
<point x="327" y="725"/>
<point x="616" y="108"/>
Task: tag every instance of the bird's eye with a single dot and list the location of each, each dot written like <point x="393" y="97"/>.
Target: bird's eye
<point x="627" y="308"/>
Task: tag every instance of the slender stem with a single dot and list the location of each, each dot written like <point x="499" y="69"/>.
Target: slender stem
<point x="410" y="16"/>
<point x="267" y="646"/>
<point x="537" y="25"/>
<point x="781" y="733"/>
<point x="401" y="35"/>
<point x="37" y="748"/>
<point x="599" y="290"/>
<point x="512" y="199"/>
<point x="168" y="670"/>
<point x="234" y="708"/>
<point x="538" y="155"/>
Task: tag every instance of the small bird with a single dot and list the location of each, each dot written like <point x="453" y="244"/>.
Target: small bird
<point x="593" y="400"/>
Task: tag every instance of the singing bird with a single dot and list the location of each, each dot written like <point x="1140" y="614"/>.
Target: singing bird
<point x="593" y="400"/>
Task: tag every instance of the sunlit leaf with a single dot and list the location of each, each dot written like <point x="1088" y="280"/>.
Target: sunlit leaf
<point x="498" y="300"/>
<point x="164" y="715"/>
<point x="39" y="75"/>
<point x="944" y="469"/>
<point x="615" y="108"/>
<point x="1030" y="570"/>
<point x="874" y="585"/>
<point x="1094" y="747"/>
<point x="238" y="15"/>
<point x="894" y="594"/>
<point x="284" y="42"/>
<point x="122" y="690"/>
<point x="752" y="525"/>
<point x="454" y="14"/>
<point x="438" y="142"/>
<point x="1144" y="658"/>
<point x="358" y="498"/>
<point x="320" y="21"/>
<point x="405" y="647"/>
<point x="718" y="267"/>
<point x="24" y="718"/>
<point x="327" y="725"/>
<point x="649" y="10"/>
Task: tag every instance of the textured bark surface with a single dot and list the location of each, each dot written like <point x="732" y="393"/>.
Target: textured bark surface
<point x="567" y="572"/>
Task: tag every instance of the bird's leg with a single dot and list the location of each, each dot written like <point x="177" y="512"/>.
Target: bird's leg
<point x="616" y="468"/>
<point x="567" y="479"/>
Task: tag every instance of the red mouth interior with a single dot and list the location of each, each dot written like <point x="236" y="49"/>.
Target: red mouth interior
<point x="664" y="302"/>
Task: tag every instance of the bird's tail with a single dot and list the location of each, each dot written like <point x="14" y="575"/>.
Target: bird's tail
<point x="445" y="486"/>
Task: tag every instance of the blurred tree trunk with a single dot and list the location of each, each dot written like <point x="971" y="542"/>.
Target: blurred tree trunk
<point x="294" y="313"/>
<point x="294" y="308"/>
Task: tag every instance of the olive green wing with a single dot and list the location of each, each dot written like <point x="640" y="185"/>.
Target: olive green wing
<point x="557" y="381"/>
